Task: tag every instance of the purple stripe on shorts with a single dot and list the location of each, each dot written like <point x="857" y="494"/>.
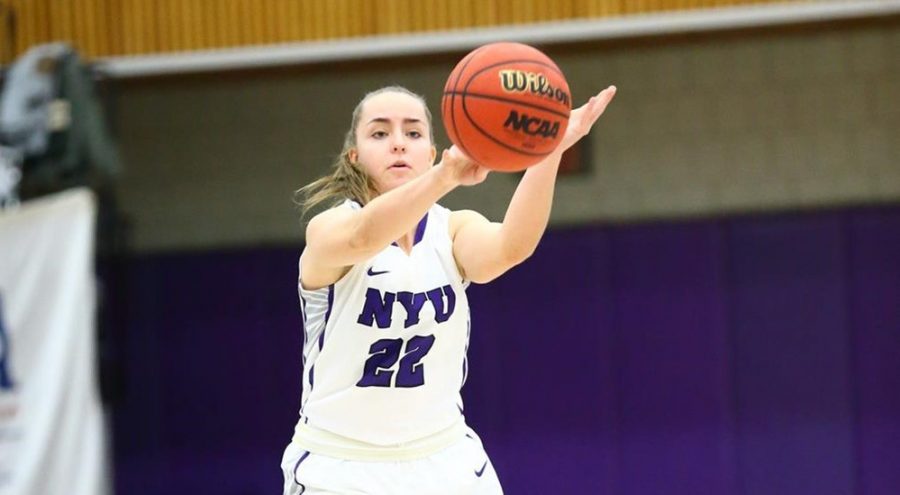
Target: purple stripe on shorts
<point x="302" y="458"/>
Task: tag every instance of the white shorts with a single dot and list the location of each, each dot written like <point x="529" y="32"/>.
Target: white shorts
<point x="461" y="469"/>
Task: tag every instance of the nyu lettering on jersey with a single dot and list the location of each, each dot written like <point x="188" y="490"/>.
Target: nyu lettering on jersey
<point x="385" y="346"/>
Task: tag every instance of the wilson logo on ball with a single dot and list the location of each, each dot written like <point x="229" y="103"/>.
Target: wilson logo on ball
<point x="520" y="81"/>
<point x="532" y="126"/>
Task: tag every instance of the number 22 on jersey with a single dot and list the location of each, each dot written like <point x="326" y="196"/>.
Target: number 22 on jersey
<point x="384" y="354"/>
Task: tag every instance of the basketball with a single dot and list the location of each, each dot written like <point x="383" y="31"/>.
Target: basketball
<point x="506" y="106"/>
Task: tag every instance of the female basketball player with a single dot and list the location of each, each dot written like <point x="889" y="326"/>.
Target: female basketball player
<point x="382" y="288"/>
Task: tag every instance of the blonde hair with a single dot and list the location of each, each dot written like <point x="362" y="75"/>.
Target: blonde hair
<point x="349" y="180"/>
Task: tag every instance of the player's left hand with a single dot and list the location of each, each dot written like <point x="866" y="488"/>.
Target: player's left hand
<point x="582" y="118"/>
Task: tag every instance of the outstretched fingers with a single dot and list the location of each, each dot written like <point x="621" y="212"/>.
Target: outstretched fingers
<point x="597" y="104"/>
<point x="584" y="117"/>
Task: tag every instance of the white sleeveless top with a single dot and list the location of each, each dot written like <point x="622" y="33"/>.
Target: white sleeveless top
<point x="385" y="346"/>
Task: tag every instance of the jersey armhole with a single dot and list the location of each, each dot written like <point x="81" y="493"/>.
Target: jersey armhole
<point x="445" y="213"/>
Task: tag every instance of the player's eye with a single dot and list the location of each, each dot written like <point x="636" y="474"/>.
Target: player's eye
<point x="414" y="134"/>
<point x="379" y="134"/>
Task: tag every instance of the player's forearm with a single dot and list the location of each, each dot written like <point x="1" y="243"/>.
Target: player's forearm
<point x="394" y="213"/>
<point x="529" y="210"/>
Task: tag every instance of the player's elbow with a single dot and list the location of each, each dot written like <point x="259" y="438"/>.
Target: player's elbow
<point x="359" y="240"/>
<point x="485" y="276"/>
<point x="490" y="271"/>
<point x="515" y="246"/>
<point x="517" y="253"/>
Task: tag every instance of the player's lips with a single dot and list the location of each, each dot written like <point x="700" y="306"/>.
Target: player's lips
<point x="399" y="165"/>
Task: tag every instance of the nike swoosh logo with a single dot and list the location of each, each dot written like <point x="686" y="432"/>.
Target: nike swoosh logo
<point x="481" y="471"/>
<point x="372" y="272"/>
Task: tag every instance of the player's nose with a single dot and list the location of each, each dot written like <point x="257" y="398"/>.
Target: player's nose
<point x="398" y="144"/>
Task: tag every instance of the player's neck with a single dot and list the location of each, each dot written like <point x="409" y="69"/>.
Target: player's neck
<point x="406" y="242"/>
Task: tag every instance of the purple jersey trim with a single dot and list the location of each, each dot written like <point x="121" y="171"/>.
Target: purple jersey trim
<point x="312" y="369"/>
<point x="327" y="315"/>
<point x="302" y="306"/>
<point x="303" y="315"/>
<point x="420" y="231"/>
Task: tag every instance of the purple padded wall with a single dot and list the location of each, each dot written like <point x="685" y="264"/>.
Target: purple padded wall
<point x="791" y="358"/>
<point x="674" y="396"/>
<point x="874" y="302"/>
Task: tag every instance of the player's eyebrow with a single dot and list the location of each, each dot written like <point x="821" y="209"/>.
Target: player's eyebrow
<point x="385" y="120"/>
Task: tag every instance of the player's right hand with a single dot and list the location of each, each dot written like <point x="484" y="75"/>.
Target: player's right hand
<point x="460" y="169"/>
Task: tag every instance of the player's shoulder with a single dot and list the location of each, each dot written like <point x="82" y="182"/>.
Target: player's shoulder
<point x="460" y="218"/>
<point x="464" y="214"/>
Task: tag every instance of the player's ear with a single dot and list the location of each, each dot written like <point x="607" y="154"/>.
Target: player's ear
<point x="433" y="154"/>
<point x="352" y="155"/>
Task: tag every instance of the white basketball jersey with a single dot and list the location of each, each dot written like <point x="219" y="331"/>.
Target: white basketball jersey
<point x="385" y="348"/>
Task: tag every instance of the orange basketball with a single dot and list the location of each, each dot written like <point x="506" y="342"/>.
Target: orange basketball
<point x="506" y="105"/>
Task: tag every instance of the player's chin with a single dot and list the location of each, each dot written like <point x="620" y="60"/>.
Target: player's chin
<point x="401" y="174"/>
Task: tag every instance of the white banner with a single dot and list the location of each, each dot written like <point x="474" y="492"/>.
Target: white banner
<point x="51" y="420"/>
